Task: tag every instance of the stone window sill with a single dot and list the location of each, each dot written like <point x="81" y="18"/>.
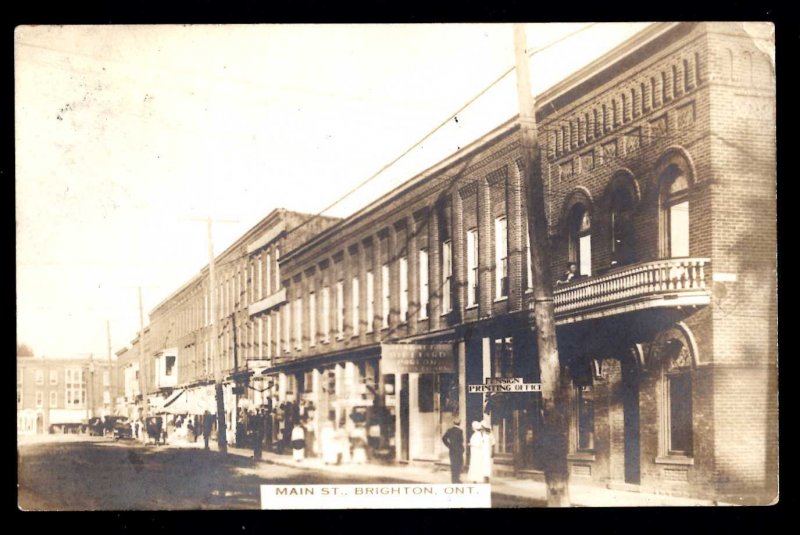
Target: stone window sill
<point x="501" y="299"/>
<point x="471" y="307"/>
<point x="675" y="459"/>
<point x="583" y="456"/>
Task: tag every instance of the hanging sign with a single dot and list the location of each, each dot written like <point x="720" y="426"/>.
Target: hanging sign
<point x="417" y="358"/>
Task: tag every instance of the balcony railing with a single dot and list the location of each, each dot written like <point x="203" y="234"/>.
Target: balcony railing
<point x="639" y="283"/>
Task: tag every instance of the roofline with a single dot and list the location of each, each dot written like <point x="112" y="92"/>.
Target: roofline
<point x="584" y="74"/>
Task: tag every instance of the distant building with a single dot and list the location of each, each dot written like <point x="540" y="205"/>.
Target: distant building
<point x="57" y="395"/>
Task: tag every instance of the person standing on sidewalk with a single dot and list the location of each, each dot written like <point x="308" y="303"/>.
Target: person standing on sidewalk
<point x="257" y="422"/>
<point x="453" y="438"/>
<point x="298" y="442"/>
<point x="475" y="473"/>
<point x="487" y="450"/>
<point x="208" y="422"/>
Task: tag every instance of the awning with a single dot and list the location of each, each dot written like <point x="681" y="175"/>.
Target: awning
<point x="174" y="398"/>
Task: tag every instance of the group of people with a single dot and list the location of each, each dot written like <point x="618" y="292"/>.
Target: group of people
<point x="342" y="447"/>
<point x="481" y="451"/>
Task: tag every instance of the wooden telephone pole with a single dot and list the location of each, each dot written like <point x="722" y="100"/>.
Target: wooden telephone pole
<point x="142" y="371"/>
<point x="554" y="394"/>
<point x="222" y="435"/>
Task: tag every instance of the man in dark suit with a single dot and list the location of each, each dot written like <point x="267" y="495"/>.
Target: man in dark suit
<point x="453" y="438"/>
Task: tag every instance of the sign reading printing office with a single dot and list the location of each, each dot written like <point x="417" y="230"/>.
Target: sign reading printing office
<point x="417" y="358"/>
<point x="509" y="387"/>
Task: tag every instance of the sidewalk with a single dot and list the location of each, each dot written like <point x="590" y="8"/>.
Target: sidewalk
<point x="580" y="495"/>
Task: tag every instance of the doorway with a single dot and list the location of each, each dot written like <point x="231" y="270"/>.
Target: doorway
<point x="630" y="411"/>
<point x="404" y="429"/>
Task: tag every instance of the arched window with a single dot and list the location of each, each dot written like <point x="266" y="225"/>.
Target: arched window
<point x="677" y="383"/>
<point x="580" y="239"/>
<point x="674" y="200"/>
<point x="623" y="250"/>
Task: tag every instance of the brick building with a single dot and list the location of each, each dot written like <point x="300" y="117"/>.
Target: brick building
<point x="176" y="361"/>
<point x="659" y="171"/>
<point x="56" y="395"/>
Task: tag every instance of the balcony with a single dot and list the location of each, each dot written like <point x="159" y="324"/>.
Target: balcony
<point x="668" y="283"/>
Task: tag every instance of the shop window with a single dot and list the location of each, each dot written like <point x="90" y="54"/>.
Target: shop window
<point x="472" y="267"/>
<point x="674" y="212"/>
<point x="580" y="239"/>
<point x="623" y="251"/>
<point x="501" y="257"/>
<point x="426" y="391"/>
<point x="677" y="382"/>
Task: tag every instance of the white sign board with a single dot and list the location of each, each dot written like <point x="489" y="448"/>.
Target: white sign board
<point x="513" y="387"/>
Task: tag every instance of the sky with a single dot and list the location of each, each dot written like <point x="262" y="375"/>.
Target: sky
<point x="127" y="136"/>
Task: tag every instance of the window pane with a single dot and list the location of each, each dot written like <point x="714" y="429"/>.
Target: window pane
<point x="423" y="284"/>
<point x="585" y="255"/>
<point x="679" y="230"/>
<point x="680" y="412"/>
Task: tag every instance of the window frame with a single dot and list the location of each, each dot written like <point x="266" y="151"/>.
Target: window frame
<point x="473" y="266"/>
<point x="447" y="277"/>
<point x="424" y="290"/>
<point x="501" y="258"/>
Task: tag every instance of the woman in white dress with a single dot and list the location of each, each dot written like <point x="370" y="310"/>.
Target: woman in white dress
<point x="330" y="448"/>
<point x="476" y="460"/>
<point x="298" y="442"/>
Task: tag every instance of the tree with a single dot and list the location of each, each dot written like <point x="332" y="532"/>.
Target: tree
<point x="23" y="350"/>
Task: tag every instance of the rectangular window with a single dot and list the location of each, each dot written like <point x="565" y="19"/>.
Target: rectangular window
<point x="386" y="290"/>
<point x="403" y="289"/>
<point x="312" y="319"/>
<point x="74" y="388"/>
<point x="259" y="282"/>
<point x="277" y="285"/>
<point x="340" y="309"/>
<point x="370" y="301"/>
<point x="39" y="399"/>
<point x="423" y="284"/>
<point x="53" y="399"/>
<point x="268" y="276"/>
<point x="106" y="397"/>
<point x="268" y="328"/>
<point x="585" y="259"/>
<point x="106" y="378"/>
<point x="680" y="413"/>
<point x="585" y="406"/>
<point x="447" y="277"/>
<point x="53" y="377"/>
<point x="425" y="392"/>
<point x="39" y="377"/>
<point x="287" y="333"/>
<point x="500" y="258"/>
<point x="298" y="323"/>
<point x="472" y="267"/>
<point x="679" y="230"/>
<point x="326" y="314"/>
<point x="355" y="306"/>
<point x="169" y="365"/>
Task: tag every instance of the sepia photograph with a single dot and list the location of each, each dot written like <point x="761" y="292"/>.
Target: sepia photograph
<point x="396" y="266"/>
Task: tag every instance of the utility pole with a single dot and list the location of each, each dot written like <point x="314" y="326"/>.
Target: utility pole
<point x="112" y="393"/>
<point x="222" y="437"/>
<point x="554" y="398"/>
<point x="142" y="382"/>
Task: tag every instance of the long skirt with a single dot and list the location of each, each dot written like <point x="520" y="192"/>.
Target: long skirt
<point x="298" y="450"/>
